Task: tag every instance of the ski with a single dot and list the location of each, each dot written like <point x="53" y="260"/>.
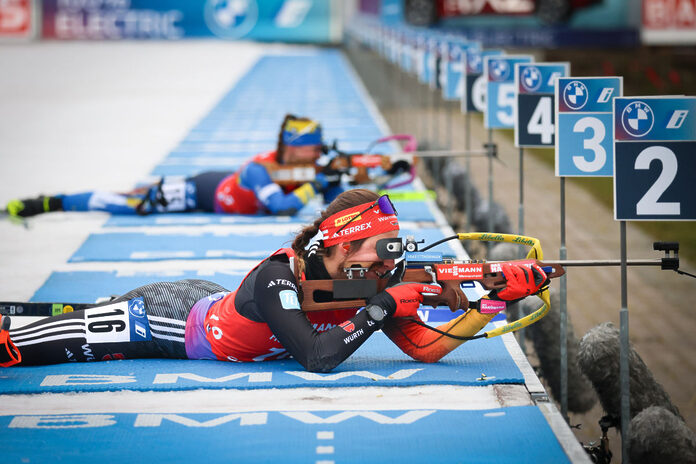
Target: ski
<point x="17" y="308"/>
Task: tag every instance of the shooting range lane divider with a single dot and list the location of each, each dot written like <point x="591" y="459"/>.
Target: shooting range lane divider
<point x="416" y="210"/>
<point x="366" y="436"/>
<point x="377" y="363"/>
<point x="223" y="244"/>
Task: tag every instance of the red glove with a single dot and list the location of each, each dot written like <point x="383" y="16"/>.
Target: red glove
<point x="403" y="299"/>
<point x="521" y="280"/>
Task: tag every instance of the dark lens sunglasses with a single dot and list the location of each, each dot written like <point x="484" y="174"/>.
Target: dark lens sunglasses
<point x="385" y="205"/>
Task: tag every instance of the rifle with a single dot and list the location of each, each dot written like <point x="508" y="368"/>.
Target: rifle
<point x="463" y="283"/>
<point x="356" y="168"/>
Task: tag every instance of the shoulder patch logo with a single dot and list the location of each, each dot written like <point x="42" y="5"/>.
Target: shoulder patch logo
<point x="289" y="300"/>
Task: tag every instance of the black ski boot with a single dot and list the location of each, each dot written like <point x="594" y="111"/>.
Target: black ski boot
<point x="33" y="206"/>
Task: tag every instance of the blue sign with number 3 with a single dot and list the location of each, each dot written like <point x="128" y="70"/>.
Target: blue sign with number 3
<point x="584" y="130"/>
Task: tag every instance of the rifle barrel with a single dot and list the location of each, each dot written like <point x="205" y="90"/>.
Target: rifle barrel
<point x="444" y="153"/>
<point x="605" y="262"/>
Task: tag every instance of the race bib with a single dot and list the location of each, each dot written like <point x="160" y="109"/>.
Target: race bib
<point x="178" y="194"/>
<point x="125" y="321"/>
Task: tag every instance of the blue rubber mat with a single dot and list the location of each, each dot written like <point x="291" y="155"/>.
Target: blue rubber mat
<point x="132" y="246"/>
<point x="377" y="363"/>
<point x="89" y="286"/>
<point x="413" y="211"/>
<point x="514" y="434"/>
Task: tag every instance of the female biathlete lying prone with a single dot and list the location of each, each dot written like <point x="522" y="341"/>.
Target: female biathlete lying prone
<point x="249" y="190"/>
<point x="263" y="318"/>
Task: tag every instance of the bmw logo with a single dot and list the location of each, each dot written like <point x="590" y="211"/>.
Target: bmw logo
<point x="231" y="19"/>
<point x="474" y="60"/>
<point x="575" y="95"/>
<point x="637" y="118"/>
<point x="531" y="78"/>
<point x="498" y="70"/>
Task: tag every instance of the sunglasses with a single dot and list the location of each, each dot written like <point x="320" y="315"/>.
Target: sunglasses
<point x="385" y="205"/>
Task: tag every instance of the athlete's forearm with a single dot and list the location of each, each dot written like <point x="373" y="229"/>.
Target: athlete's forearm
<point x="429" y="346"/>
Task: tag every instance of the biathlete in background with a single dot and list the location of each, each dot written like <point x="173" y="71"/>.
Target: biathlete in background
<point x="263" y="319"/>
<point x="249" y="190"/>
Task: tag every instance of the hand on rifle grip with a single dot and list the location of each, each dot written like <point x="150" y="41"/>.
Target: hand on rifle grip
<point x="451" y="296"/>
<point x="521" y="281"/>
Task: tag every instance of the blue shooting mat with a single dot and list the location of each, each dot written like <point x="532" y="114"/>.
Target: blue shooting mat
<point x="90" y="286"/>
<point x="518" y="434"/>
<point x="413" y="211"/>
<point x="197" y="244"/>
<point x="378" y="362"/>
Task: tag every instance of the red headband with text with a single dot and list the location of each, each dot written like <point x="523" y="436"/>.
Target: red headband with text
<point x="366" y="224"/>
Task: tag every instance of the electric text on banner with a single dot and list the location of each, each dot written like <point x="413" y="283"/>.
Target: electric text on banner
<point x="534" y="93"/>
<point x="474" y="88"/>
<point x="499" y="72"/>
<point x="655" y="166"/>
<point x="584" y="129"/>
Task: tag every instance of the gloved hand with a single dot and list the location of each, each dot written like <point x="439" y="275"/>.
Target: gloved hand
<point x="521" y="280"/>
<point x="399" y="167"/>
<point x="402" y="299"/>
<point x="326" y="180"/>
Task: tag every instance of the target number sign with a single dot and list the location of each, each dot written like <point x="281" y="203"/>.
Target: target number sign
<point x="584" y="129"/>
<point x="474" y="82"/>
<point x="499" y="72"/>
<point x="534" y="92"/>
<point x="655" y="158"/>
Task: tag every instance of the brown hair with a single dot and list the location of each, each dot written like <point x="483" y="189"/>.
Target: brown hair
<point x="345" y="200"/>
<point x="280" y="147"/>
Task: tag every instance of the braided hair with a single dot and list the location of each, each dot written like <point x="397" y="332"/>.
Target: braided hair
<point x="345" y="200"/>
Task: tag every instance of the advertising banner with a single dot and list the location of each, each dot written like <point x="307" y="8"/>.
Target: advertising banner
<point x="669" y="22"/>
<point x="267" y="20"/>
<point x="17" y="19"/>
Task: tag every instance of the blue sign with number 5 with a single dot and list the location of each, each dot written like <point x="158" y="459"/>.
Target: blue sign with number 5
<point x="655" y="142"/>
<point x="584" y="130"/>
<point x="499" y="72"/>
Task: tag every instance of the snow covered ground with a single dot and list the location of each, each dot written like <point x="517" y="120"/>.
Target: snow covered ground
<point x="78" y="116"/>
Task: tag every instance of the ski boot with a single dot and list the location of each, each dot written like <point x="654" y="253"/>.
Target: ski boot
<point x="33" y="206"/>
<point x="9" y="354"/>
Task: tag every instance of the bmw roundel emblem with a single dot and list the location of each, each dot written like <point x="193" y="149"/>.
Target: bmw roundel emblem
<point x="498" y="70"/>
<point x="575" y="95"/>
<point x="637" y="118"/>
<point x="231" y="19"/>
<point x="531" y="78"/>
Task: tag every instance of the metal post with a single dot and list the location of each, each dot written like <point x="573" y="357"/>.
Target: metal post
<point x="490" y="185"/>
<point x="520" y="223"/>
<point x="467" y="191"/>
<point x="564" y="311"/>
<point x="623" y="358"/>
